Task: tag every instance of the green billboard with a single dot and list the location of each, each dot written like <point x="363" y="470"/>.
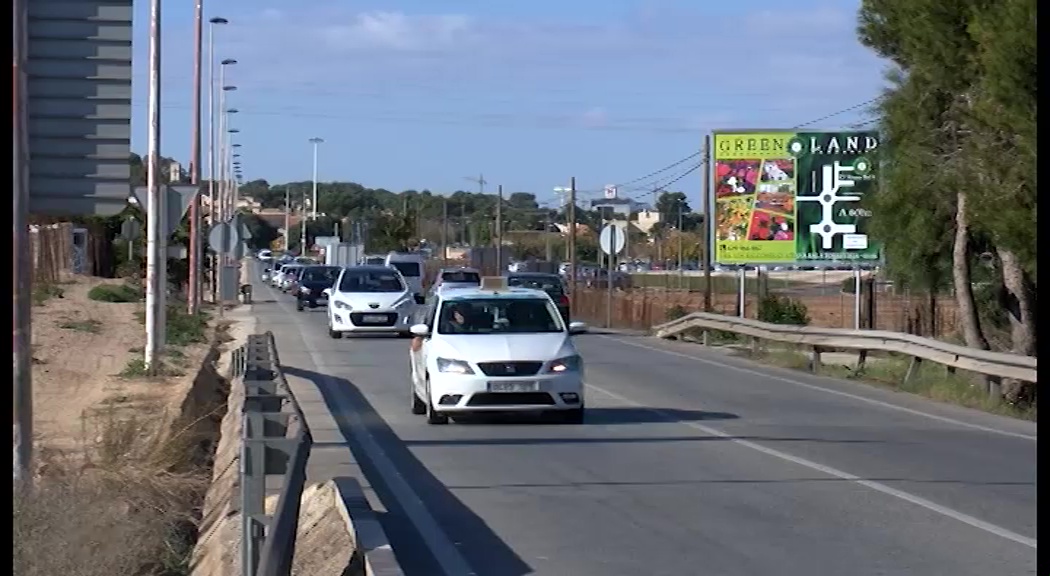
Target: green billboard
<point x="793" y="197"/>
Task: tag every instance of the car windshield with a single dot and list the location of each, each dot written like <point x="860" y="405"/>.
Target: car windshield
<point x="498" y="316"/>
<point x="461" y="277"/>
<point x="407" y="268"/>
<point x="549" y="284"/>
<point x="370" y="281"/>
<point x="321" y="274"/>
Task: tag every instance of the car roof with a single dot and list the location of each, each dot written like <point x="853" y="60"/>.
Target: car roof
<point x="370" y="268"/>
<point x="460" y="269"/>
<point x="534" y="274"/>
<point x="478" y="293"/>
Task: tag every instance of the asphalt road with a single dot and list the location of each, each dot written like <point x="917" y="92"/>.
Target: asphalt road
<point x="690" y="463"/>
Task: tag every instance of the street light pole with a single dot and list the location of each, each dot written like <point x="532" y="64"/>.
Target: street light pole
<point x="313" y="203"/>
<point x="155" y="225"/>
<point x="212" y="147"/>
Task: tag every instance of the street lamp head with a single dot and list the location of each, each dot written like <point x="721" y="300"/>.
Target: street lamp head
<point x="236" y="155"/>
<point x="232" y="111"/>
<point x="235" y="145"/>
<point x="229" y="88"/>
<point x="317" y="140"/>
<point x="228" y="61"/>
<point x="218" y="20"/>
<point x="233" y="131"/>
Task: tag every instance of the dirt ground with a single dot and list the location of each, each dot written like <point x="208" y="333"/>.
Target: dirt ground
<point x="80" y="348"/>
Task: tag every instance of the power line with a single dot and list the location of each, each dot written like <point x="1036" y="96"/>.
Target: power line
<point x="840" y="112"/>
<point x="664" y="169"/>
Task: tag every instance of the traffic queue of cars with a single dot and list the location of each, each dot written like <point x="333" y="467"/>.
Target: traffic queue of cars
<point x="479" y="344"/>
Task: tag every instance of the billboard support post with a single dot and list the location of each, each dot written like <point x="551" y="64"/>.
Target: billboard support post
<point x="743" y="290"/>
<point x="856" y="298"/>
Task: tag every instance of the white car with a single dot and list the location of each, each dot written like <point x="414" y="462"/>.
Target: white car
<point x="370" y="299"/>
<point x="495" y="349"/>
<point x="288" y="276"/>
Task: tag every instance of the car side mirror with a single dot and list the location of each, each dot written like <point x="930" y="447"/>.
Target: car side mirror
<point x="420" y="299"/>
<point x="577" y="327"/>
<point x="421" y="330"/>
<point x="327" y="292"/>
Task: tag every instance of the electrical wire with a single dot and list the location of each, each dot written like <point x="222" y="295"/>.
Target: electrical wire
<point x="839" y="113"/>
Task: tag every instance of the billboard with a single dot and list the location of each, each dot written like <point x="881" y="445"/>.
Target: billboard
<point x="793" y="197"/>
<point x="79" y="106"/>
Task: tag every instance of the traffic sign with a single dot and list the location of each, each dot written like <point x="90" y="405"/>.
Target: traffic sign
<point x="612" y="239"/>
<point x="223" y="238"/>
<point x="178" y="202"/>
<point x="130" y="229"/>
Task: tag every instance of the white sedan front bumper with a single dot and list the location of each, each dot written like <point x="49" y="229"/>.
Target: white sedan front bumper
<point x="370" y="321"/>
<point x="475" y="392"/>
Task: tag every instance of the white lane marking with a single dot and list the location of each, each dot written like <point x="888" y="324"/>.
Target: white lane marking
<point x="871" y="401"/>
<point x="441" y="547"/>
<point x="877" y="486"/>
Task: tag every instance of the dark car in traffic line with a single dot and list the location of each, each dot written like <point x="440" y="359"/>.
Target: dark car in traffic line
<point x="550" y="283"/>
<point x="311" y="284"/>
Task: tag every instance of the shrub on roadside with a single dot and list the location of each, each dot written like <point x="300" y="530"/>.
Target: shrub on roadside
<point x="782" y="310"/>
<point x="118" y="293"/>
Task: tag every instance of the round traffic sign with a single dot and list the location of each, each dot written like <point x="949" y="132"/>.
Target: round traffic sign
<point x="612" y="239"/>
<point x="223" y="238"/>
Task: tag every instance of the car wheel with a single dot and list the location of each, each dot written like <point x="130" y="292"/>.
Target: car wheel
<point x="433" y="416"/>
<point x="335" y="334"/>
<point x="574" y="416"/>
<point x="299" y="305"/>
<point x="419" y="407"/>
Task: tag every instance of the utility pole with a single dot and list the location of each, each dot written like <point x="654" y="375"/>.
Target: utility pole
<point x="499" y="229"/>
<point x="287" y="214"/>
<point x="444" y="233"/>
<point x="481" y="182"/>
<point x="573" y="270"/>
<point x="22" y="264"/>
<point x="707" y="243"/>
<point x="302" y="228"/>
<point x="681" y="273"/>
<point x="313" y="202"/>
<point x="155" y="225"/>
<point x="195" y="164"/>
<point x="547" y="236"/>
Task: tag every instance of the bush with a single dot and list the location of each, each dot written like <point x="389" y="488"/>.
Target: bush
<point x="782" y="310"/>
<point x="115" y="293"/>
<point x="184" y="329"/>
<point x="675" y="312"/>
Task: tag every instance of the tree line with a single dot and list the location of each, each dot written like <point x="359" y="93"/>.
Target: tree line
<point x="957" y="203"/>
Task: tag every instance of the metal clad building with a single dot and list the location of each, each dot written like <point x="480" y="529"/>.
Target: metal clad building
<point x="79" y="106"/>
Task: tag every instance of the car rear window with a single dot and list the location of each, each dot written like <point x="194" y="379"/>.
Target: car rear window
<point x="549" y="284"/>
<point x="407" y="269"/>
<point x="461" y="277"/>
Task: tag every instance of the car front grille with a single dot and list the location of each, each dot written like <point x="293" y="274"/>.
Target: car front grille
<point x="510" y="368"/>
<point x="358" y="318"/>
<point x="511" y="399"/>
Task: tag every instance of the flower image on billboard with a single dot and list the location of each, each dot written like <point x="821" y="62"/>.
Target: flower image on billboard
<point x="793" y="197"/>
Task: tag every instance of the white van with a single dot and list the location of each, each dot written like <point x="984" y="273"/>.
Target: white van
<point x="410" y="265"/>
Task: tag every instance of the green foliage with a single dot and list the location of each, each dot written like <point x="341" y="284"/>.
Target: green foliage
<point x="119" y="293"/>
<point x="782" y="310"/>
<point x="675" y="312"/>
<point x="43" y="292"/>
<point x="184" y="329"/>
<point x="263" y="234"/>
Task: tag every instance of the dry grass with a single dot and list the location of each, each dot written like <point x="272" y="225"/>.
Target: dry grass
<point x="125" y="504"/>
<point x="122" y="460"/>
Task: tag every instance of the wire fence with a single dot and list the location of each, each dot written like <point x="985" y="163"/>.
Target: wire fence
<point x="828" y="297"/>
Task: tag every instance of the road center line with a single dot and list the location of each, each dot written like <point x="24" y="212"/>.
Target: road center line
<point x="877" y="486"/>
<point x="872" y="401"/>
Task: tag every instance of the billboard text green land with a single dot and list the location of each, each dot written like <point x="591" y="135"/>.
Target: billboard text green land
<point x="793" y="197"/>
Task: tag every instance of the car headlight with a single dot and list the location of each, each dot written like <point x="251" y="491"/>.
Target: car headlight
<point x="342" y="305"/>
<point x="566" y="364"/>
<point x="453" y="366"/>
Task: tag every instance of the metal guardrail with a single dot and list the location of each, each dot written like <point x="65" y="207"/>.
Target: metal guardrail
<point x="276" y="442"/>
<point x="992" y="364"/>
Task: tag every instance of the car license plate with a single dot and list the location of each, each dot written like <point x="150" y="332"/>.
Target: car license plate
<point x="514" y="386"/>
<point x="373" y="318"/>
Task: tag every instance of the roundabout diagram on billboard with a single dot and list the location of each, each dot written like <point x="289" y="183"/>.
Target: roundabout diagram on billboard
<point x="835" y="177"/>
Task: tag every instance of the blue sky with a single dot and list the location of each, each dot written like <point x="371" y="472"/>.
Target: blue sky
<point x="423" y="93"/>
